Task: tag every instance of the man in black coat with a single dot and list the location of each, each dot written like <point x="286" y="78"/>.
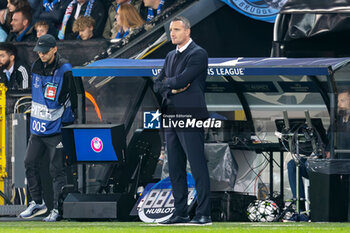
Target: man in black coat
<point x="181" y="84"/>
<point x="14" y="73"/>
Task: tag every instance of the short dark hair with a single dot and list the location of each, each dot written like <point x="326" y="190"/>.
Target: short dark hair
<point x="185" y="21"/>
<point x="26" y="12"/>
<point x="344" y="90"/>
<point x="9" y="48"/>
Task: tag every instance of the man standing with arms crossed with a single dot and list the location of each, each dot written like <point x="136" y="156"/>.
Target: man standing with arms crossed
<point x="181" y="83"/>
<point x="53" y="101"/>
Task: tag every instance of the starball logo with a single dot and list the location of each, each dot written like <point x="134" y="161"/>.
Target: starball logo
<point x="96" y="144"/>
<point x="36" y="82"/>
<point x="157" y="120"/>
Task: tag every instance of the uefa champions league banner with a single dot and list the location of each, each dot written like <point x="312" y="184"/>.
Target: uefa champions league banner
<point x="265" y="10"/>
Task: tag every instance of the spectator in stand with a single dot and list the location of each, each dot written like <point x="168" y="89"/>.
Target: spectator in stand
<point x="14" y="73"/>
<point x="84" y="25"/>
<point x="52" y="12"/>
<point x="93" y="8"/>
<point x="127" y="19"/>
<point x="41" y="28"/>
<point x="151" y="8"/>
<point x="22" y="29"/>
<point x="6" y="14"/>
<point x="113" y="11"/>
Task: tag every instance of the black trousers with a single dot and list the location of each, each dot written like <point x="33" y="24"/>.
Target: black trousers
<point x="39" y="146"/>
<point x="183" y="144"/>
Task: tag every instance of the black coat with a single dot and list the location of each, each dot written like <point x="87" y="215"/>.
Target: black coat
<point x="192" y="66"/>
<point x="20" y="77"/>
<point x="343" y="137"/>
<point x="30" y="36"/>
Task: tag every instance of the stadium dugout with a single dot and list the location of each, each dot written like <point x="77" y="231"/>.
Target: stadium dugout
<point x="320" y="76"/>
<point x="261" y="88"/>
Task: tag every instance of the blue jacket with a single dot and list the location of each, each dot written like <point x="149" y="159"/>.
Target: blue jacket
<point x="48" y="113"/>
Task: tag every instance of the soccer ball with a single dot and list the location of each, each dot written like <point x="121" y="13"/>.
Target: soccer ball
<point x="252" y="211"/>
<point x="262" y="211"/>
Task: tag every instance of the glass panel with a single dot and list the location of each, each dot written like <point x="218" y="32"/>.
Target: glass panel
<point x="109" y="98"/>
<point x="219" y="99"/>
<point x="342" y="126"/>
<point x="268" y="97"/>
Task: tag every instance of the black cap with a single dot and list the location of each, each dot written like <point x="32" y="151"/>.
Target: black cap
<point x="45" y="43"/>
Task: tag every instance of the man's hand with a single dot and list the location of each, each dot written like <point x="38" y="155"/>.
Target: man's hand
<point x="173" y="91"/>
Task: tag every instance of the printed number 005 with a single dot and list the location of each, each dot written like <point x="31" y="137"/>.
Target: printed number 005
<point x="39" y="126"/>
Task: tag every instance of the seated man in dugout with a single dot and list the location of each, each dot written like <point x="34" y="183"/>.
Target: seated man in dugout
<point x="341" y="137"/>
<point x="343" y="124"/>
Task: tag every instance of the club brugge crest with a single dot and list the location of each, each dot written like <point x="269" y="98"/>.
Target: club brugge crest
<point x="157" y="204"/>
<point x="265" y="10"/>
<point x="96" y="144"/>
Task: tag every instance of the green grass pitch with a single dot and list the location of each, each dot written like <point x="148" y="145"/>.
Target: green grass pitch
<point x="111" y="227"/>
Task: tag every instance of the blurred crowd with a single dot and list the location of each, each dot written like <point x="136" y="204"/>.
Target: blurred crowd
<point x="28" y="20"/>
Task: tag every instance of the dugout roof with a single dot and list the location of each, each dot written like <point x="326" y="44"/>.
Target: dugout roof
<point x="218" y="66"/>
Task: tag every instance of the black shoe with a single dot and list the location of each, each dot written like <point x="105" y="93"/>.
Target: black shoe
<point x="176" y="220"/>
<point x="201" y="220"/>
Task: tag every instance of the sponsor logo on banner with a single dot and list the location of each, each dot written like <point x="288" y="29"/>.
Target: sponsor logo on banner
<point x="96" y="144"/>
<point x="151" y="120"/>
<point x="157" y="204"/>
<point x="265" y="10"/>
